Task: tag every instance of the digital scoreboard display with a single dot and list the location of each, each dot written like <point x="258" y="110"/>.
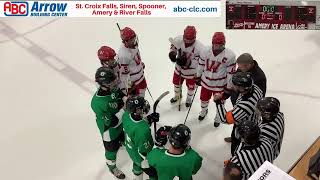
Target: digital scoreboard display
<point x="242" y="16"/>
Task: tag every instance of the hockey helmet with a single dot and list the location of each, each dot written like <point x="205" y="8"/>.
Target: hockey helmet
<point x="218" y="38"/>
<point x="242" y="79"/>
<point x="105" y="77"/>
<point x="179" y="136"/>
<point x="106" y="56"/>
<point x="268" y="108"/>
<point x="137" y="104"/>
<point x="189" y="34"/>
<point x="249" y="132"/>
<point x="129" y="37"/>
<point x="218" y="42"/>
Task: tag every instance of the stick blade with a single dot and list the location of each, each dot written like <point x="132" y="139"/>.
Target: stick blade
<point x="159" y="99"/>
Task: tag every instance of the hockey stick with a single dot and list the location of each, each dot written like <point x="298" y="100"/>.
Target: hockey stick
<point x="147" y="87"/>
<point x="150" y="94"/>
<point x="174" y="43"/>
<point x="180" y="90"/>
<point x="138" y="50"/>
<point x="185" y="120"/>
<point x="118" y="27"/>
<point x="155" y="108"/>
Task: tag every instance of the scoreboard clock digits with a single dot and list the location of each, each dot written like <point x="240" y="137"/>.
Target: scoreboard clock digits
<point x="268" y="9"/>
<point x="243" y="16"/>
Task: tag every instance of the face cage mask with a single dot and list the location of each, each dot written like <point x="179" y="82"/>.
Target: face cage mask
<point x="250" y="142"/>
<point x="112" y="86"/>
<point x="218" y="47"/>
<point x="144" y="110"/>
<point x="189" y="41"/>
<point x="241" y="89"/>
<point x="109" y="64"/>
<point x="266" y="116"/>
<point x="131" y="43"/>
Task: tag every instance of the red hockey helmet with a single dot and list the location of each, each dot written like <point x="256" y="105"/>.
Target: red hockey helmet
<point x="189" y="34"/>
<point x="127" y="34"/>
<point x="218" y="38"/>
<point x="106" y="53"/>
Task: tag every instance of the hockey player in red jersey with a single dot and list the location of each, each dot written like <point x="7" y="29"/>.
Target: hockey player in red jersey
<point x="132" y="68"/>
<point x="186" y="58"/>
<point x="216" y="66"/>
<point x="108" y="58"/>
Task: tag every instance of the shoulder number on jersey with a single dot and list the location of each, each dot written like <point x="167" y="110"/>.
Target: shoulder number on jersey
<point x="113" y="105"/>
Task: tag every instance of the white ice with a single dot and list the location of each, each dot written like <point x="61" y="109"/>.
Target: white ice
<point x="48" y="131"/>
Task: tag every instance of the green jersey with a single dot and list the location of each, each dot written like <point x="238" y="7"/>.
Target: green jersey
<point x="138" y="138"/>
<point x="169" y="165"/>
<point x="105" y="108"/>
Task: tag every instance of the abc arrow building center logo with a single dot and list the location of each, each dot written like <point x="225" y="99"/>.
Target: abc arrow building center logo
<point x="36" y="9"/>
<point x="16" y="8"/>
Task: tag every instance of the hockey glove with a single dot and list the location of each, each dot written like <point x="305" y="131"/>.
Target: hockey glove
<point x="198" y="81"/>
<point x="114" y="121"/>
<point x="172" y="56"/>
<point x="132" y="91"/>
<point x="182" y="61"/>
<point x="121" y="94"/>
<point x="121" y="138"/>
<point x="218" y="98"/>
<point x="151" y="172"/>
<point x="120" y="104"/>
<point x="162" y="135"/>
<point x="153" y="117"/>
<point x="226" y="93"/>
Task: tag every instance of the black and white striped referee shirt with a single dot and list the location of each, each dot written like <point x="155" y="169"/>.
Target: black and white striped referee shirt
<point x="274" y="131"/>
<point x="250" y="158"/>
<point x="244" y="108"/>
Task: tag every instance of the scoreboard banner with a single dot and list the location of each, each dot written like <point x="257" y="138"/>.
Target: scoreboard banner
<point x="269" y="25"/>
<point x="273" y="15"/>
<point x="110" y="8"/>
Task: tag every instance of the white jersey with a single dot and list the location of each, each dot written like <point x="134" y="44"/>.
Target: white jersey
<point x="121" y="85"/>
<point x="193" y="55"/>
<point x="216" y="71"/>
<point x="131" y="65"/>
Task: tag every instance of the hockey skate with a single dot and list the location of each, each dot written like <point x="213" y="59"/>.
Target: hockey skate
<point x="216" y="124"/>
<point x="216" y="121"/>
<point x="118" y="173"/>
<point x="228" y="139"/>
<point x="188" y="101"/>
<point x="202" y="115"/>
<point x="175" y="99"/>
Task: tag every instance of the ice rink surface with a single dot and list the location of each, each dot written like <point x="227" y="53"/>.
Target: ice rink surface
<point x="47" y="66"/>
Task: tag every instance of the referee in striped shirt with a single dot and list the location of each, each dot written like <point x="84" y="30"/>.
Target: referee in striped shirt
<point x="254" y="149"/>
<point x="271" y="121"/>
<point x="245" y="106"/>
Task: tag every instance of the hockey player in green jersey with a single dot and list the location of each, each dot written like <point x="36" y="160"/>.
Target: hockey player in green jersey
<point x="138" y="138"/>
<point x="107" y="104"/>
<point x="179" y="160"/>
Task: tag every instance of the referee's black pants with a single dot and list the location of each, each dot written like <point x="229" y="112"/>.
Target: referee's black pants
<point x="234" y="141"/>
